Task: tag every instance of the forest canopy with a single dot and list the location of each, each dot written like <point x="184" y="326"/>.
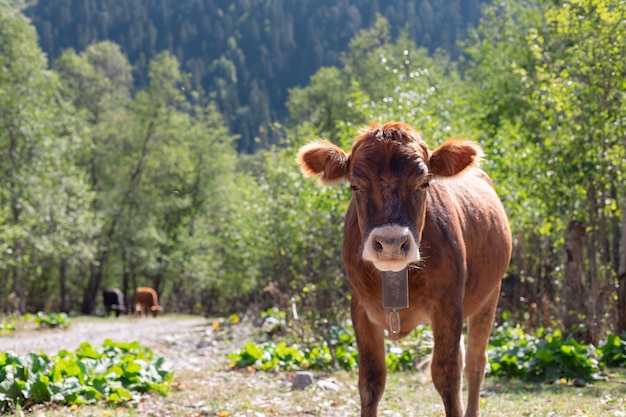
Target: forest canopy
<point x="244" y="54"/>
<point x="114" y="182"/>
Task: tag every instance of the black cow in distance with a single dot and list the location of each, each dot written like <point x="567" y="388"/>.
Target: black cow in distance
<point x="113" y="300"/>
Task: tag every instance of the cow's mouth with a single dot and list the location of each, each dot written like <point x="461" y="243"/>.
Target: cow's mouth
<point x="391" y="248"/>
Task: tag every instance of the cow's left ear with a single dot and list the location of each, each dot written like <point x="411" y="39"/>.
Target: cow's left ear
<point x="325" y="158"/>
<point x="453" y="156"/>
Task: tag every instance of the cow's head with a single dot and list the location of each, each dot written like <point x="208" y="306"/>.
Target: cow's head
<point x="155" y="310"/>
<point x="389" y="170"/>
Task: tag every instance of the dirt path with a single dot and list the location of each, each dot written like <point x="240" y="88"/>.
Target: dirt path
<point x="148" y="331"/>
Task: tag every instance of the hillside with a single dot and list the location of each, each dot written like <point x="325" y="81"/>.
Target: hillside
<point x="244" y="54"/>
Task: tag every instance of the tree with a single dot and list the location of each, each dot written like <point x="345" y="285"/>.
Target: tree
<point x="46" y="203"/>
<point x="580" y="89"/>
<point x="129" y="227"/>
<point x="323" y="103"/>
<point x="98" y="82"/>
<point x="548" y="94"/>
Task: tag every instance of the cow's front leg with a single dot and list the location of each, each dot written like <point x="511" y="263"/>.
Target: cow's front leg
<point x="372" y="367"/>
<point x="447" y="361"/>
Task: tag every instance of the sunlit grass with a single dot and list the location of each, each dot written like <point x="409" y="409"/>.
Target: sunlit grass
<point x="243" y="393"/>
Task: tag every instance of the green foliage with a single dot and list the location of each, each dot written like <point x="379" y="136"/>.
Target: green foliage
<point x="383" y="80"/>
<point x="52" y="320"/>
<point x="513" y="353"/>
<point x="338" y="350"/>
<point x="115" y="373"/>
<point x="109" y="181"/>
<point x="547" y="100"/>
<point x="8" y="325"/>
<point x="541" y="356"/>
<point x="413" y="352"/>
<point x="281" y="356"/>
<point x="613" y="350"/>
<point x="45" y="216"/>
<point x="256" y="50"/>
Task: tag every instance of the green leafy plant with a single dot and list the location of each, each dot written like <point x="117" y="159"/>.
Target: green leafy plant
<point x="513" y="353"/>
<point x="115" y="373"/>
<point x="339" y="352"/>
<point x="52" y="320"/>
<point x="542" y="356"/>
<point x="613" y="350"/>
<point x="283" y="357"/>
<point x="8" y="326"/>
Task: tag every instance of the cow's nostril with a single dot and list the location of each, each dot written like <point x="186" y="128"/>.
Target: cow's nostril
<point x="390" y="248"/>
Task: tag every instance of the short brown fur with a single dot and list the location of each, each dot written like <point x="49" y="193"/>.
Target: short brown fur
<point x="446" y="207"/>
<point x="147" y="301"/>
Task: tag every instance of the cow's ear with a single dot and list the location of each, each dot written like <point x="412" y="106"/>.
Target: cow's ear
<point x="325" y="158"/>
<point x="453" y="156"/>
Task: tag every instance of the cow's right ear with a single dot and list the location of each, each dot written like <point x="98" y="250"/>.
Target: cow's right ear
<point x="325" y="158"/>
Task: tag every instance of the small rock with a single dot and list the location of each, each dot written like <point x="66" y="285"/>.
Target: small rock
<point x="328" y="384"/>
<point x="301" y="380"/>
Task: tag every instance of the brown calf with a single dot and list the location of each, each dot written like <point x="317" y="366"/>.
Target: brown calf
<point x="146" y="300"/>
<point x="426" y="241"/>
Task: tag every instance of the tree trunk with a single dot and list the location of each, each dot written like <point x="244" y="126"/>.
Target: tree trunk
<point x="592" y="295"/>
<point x="125" y="286"/>
<point x="16" y="210"/>
<point x="63" y="285"/>
<point x="18" y="289"/>
<point x="573" y="289"/>
<point x="95" y="278"/>
<point x="547" y="291"/>
<point x="621" y="280"/>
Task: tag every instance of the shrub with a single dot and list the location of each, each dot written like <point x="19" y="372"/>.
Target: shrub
<point x="116" y="373"/>
<point x="52" y="320"/>
<point x="542" y="356"/>
<point x="8" y="325"/>
<point x="613" y="350"/>
<point x="339" y="351"/>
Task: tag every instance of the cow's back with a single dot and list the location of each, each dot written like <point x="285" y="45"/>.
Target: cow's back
<point x="464" y="218"/>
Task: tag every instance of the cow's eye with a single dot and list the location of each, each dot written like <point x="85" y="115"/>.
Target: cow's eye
<point x="425" y="183"/>
<point x="355" y="187"/>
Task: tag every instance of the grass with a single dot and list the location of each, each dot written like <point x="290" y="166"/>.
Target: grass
<point x="514" y="398"/>
<point x="219" y="392"/>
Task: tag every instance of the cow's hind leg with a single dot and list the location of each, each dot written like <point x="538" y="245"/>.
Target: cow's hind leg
<point x="372" y="367"/>
<point x="478" y="330"/>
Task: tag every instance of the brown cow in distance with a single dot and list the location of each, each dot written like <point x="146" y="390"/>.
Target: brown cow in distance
<point x="147" y="301"/>
<point x="426" y="241"/>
